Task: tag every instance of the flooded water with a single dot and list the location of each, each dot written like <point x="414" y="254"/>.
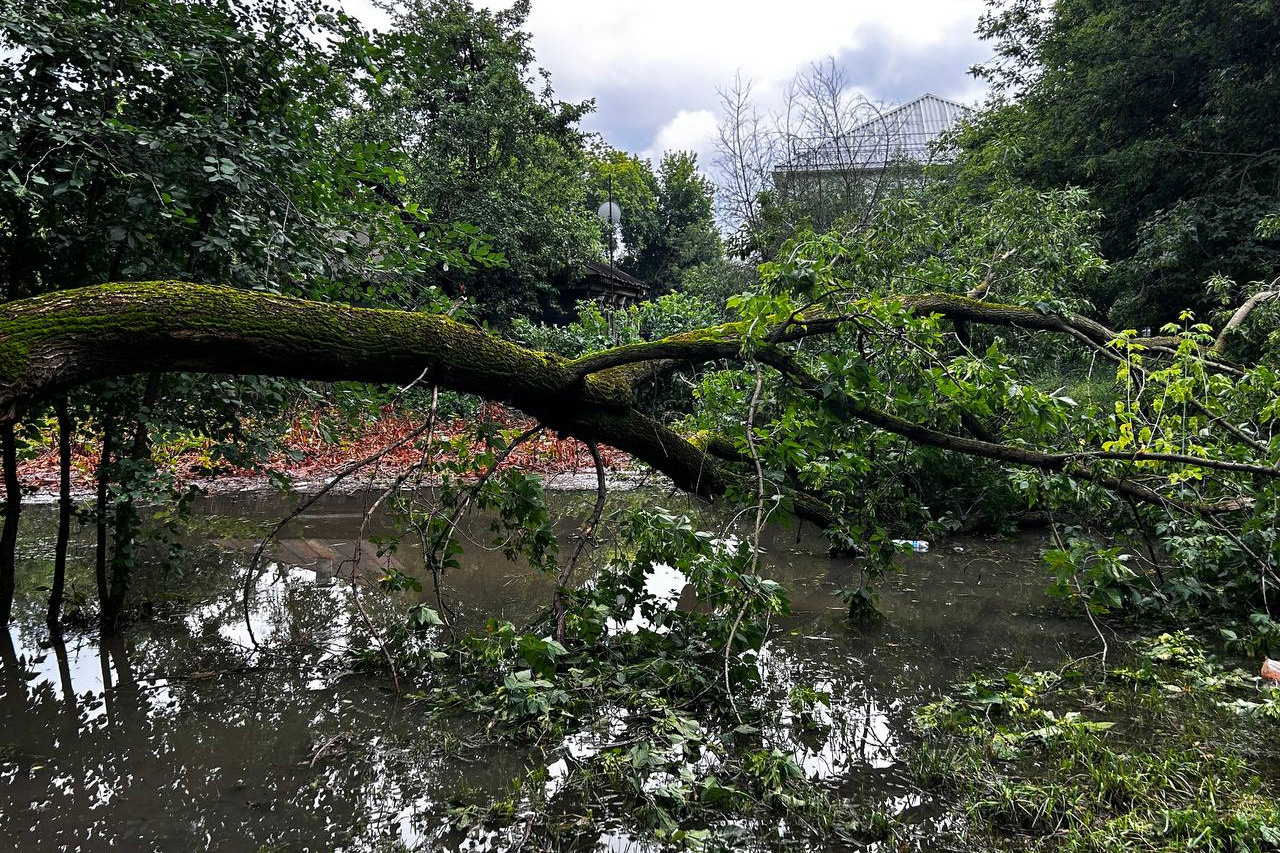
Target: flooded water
<point x="180" y="736"/>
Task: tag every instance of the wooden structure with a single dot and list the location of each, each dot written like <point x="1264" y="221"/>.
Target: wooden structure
<point x="609" y="286"/>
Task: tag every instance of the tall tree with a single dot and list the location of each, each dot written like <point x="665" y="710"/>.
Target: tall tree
<point x="1166" y="112"/>
<point x="148" y="138"/>
<point x="629" y="180"/>
<point x="477" y="130"/>
<point x="668" y="225"/>
<point x="686" y="225"/>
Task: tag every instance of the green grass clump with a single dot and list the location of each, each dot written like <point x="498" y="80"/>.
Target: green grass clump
<point x="1163" y="754"/>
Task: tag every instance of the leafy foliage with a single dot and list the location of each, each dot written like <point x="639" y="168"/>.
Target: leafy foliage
<point x="187" y="140"/>
<point x="1170" y="765"/>
<point x="594" y="330"/>
<point x="1165" y="113"/>
<point x="652" y="679"/>
<point x="458" y="107"/>
<point x="856" y="379"/>
<point x="667" y="223"/>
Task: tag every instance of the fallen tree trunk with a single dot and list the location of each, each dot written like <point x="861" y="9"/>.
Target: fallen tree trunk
<point x="55" y="342"/>
<point x="52" y="343"/>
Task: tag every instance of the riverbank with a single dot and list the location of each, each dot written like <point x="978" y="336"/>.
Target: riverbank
<point x="318" y="444"/>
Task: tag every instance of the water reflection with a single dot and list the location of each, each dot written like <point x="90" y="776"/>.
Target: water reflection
<point x="178" y="736"/>
<point x="95" y="757"/>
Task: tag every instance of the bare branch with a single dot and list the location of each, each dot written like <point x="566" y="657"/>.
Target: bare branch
<point x="585" y="537"/>
<point x="1242" y="313"/>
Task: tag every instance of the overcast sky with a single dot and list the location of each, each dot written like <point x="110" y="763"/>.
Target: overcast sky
<point x="653" y="66"/>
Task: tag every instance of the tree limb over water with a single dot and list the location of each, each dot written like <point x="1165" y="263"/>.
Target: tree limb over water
<point x="61" y="340"/>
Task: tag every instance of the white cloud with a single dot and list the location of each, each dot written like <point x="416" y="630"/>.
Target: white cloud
<point x="688" y="130"/>
<point x="653" y="66"/>
<point x="367" y="13"/>
<point x="766" y="39"/>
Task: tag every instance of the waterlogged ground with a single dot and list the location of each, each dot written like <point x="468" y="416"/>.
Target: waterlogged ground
<point x="179" y="736"/>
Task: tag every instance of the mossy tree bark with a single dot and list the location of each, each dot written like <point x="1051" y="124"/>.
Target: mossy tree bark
<point x="51" y="343"/>
<point x="56" y="342"/>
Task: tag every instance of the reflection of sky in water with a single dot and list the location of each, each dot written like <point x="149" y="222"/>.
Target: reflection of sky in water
<point x="177" y="737"/>
<point x="663" y="585"/>
<point x="860" y="730"/>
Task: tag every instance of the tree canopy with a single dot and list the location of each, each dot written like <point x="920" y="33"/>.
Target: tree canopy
<point x="482" y="141"/>
<point x="1166" y="113"/>
<point x="668" y="226"/>
<point x="152" y="139"/>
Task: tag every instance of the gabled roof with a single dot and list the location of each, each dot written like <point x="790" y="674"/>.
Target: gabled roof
<point x="608" y="273"/>
<point x="905" y="132"/>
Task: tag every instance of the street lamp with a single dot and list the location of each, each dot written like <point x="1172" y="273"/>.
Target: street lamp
<point x="611" y="213"/>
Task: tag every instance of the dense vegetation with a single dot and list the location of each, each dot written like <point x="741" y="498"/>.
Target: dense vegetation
<point x="210" y="189"/>
<point x="1164" y="112"/>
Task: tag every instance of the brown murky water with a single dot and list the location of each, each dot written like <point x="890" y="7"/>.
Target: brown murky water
<point x="176" y="737"/>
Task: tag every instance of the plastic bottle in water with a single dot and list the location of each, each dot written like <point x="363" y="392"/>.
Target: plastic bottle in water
<point x="917" y="545"/>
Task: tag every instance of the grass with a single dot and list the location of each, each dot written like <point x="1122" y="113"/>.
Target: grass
<point x="1166" y="753"/>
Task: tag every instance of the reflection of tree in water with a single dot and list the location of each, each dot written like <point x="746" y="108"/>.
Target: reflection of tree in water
<point x="176" y="735"/>
<point x="199" y="759"/>
<point x="173" y="736"/>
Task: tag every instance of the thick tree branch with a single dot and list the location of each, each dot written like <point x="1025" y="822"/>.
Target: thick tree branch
<point x="1242" y="313"/>
<point x="1070" y="463"/>
<point x="54" y="342"/>
<point x="65" y="339"/>
<point x="61" y="340"/>
<point x="727" y="340"/>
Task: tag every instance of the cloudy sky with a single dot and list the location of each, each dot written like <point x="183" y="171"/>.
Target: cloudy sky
<point x="653" y="66"/>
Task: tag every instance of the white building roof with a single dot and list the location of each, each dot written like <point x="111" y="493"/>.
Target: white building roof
<point x="902" y="133"/>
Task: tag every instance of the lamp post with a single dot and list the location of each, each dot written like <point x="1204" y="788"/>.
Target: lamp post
<point x="611" y="213"/>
